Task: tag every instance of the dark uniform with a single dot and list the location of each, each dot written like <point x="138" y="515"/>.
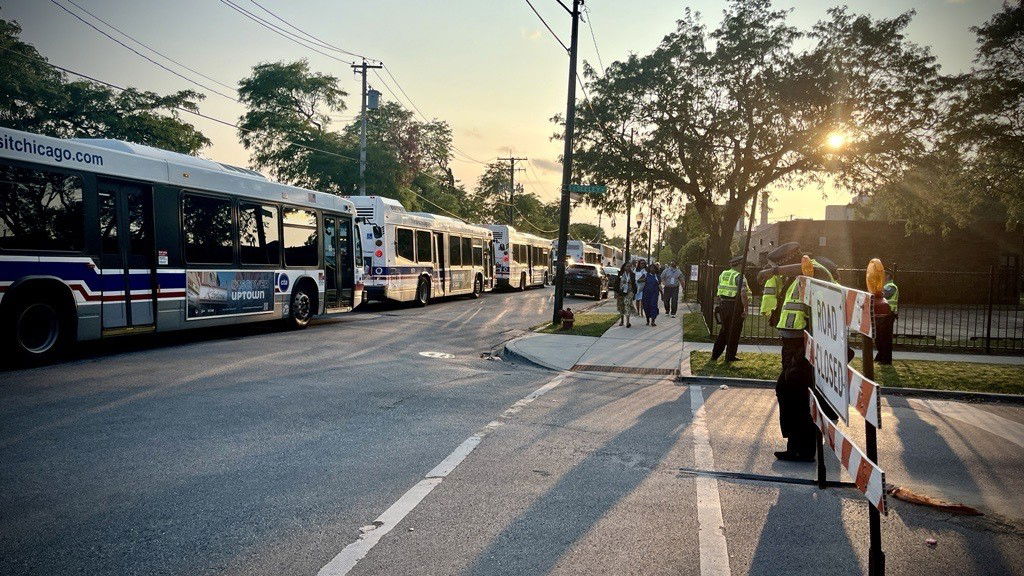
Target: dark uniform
<point x="732" y="309"/>
<point x="885" y="325"/>
<point x="792" y="388"/>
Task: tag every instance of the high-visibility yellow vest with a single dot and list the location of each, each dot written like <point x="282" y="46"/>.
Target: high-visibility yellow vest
<point x="894" y="300"/>
<point x="770" y="295"/>
<point x="728" y="284"/>
<point x="794" y="311"/>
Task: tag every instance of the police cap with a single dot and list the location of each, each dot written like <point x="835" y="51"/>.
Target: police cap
<point x="829" y="265"/>
<point x="786" y="253"/>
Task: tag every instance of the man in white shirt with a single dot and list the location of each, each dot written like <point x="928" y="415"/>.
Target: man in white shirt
<point x="671" y="280"/>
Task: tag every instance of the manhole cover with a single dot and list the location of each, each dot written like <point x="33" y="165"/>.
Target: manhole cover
<point x="430" y="354"/>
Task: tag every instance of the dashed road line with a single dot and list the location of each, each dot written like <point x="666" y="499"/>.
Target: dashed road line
<point x="347" y="559"/>
<point x="714" y="552"/>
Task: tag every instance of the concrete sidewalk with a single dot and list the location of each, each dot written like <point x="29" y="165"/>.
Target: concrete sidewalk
<point x="640" y="350"/>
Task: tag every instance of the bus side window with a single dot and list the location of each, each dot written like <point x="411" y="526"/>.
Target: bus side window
<point x="258" y="241"/>
<point x="467" y="251"/>
<point x="404" y="245"/>
<point x="208" y="229"/>
<point x="301" y="243"/>
<point x="40" y="210"/>
<point x="478" y="252"/>
<point x="423" y="251"/>
<point x="454" y="251"/>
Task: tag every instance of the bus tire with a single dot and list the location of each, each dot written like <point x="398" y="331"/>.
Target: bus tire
<point x="547" y="281"/>
<point x="522" y="282"/>
<point x="478" y="287"/>
<point x="41" y="326"/>
<point x="422" y="292"/>
<point x="302" y="308"/>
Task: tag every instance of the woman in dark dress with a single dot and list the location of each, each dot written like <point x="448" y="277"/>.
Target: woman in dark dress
<point x="651" y="294"/>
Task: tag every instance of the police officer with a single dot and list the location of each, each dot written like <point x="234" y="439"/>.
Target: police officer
<point x="886" y="324"/>
<point x="797" y="377"/>
<point x="732" y="306"/>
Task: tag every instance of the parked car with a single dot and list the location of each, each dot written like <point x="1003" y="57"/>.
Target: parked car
<point x="613" y="278"/>
<point x="586" y="279"/>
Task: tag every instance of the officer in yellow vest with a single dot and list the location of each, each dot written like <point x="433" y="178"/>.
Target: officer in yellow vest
<point x="733" y="297"/>
<point x="774" y="286"/>
<point x="797" y="377"/>
<point x="885" y="325"/>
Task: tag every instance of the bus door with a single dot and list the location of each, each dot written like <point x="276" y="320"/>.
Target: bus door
<point x="346" y="258"/>
<point x="126" y="255"/>
<point x="337" y="257"/>
<point x="439" y="260"/>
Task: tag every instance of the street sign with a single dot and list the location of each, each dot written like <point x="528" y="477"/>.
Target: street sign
<point x="693" y="272"/>
<point x="584" y="189"/>
<point x="831" y="335"/>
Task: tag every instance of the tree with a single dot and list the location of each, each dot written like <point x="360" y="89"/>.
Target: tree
<point x="36" y="97"/>
<point x="666" y="255"/>
<point x="285" y="126"/>
<point x="720" y="115"/>
<point x="529" y="213"/>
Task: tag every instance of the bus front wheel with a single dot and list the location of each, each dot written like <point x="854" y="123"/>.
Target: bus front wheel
<point x="41" y="328"/>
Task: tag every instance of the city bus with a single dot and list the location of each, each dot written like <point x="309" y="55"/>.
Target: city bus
<point x="610" y="255"/>
<point x="579" y="252"/>
<point x="417" y="256"/>
<point x="520" y="259"/>
<point x="102" y="238"/>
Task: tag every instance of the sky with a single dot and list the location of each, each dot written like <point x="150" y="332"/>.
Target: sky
<point x="487" y="67"/>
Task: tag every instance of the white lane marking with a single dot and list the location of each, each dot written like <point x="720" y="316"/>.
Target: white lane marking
<point x="714" y="553"/>
<point x="992" y="423"/>
<point x="356" y="551"/>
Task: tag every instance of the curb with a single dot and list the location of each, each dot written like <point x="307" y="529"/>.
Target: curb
<point x="508" y="353"/>
<point x="988" y="397"/>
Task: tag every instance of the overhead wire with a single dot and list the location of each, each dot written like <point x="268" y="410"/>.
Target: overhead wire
<point x="140" y="54"/>
<point x="545" y="23"/>
<point x="282" y="32"/>
<point x="148" y="47"/>
<point x="320" y="42"/>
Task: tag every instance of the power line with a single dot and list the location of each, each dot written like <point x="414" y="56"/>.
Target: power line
<point x="140" y="54"/>
<point x="280" y="31"/>
<point x="418" y="111"/>
<point x="544" y="22"/>
<point x="593" y="36"/>
<point x="319" y="41"/>
<point x="148" y="47"/>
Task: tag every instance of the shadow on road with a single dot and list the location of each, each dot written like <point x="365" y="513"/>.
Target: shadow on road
<point x="535" y="541"/>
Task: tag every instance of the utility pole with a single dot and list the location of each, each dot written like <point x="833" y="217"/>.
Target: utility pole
<point x="512" y="183"/>
<point x="570" y="122"/>
<point x="361" y="69"/>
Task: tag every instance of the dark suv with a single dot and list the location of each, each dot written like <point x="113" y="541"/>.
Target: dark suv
<point x="588" y="279"/>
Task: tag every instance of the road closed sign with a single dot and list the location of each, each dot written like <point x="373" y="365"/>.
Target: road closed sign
<point x="830" y="337"/>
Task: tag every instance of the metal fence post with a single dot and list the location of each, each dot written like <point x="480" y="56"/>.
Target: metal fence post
<point x="988" y="314"/>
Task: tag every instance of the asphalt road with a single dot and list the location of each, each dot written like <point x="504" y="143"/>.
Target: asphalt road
<point x="250" y="450"/>
<point x="267" y="452"/>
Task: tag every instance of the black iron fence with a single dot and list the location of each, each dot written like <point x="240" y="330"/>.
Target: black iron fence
<point x="981" y="312"/>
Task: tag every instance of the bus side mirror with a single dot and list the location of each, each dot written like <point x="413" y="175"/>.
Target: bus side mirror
<point x="378" y="232"/>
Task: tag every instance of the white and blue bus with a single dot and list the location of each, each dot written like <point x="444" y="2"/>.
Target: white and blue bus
<point x="417" y="256"/>
<point x="610" y="255"/>
<point x="520" y="259"/>
<point x="103" y="238"/>
<point x="579" y="252"/>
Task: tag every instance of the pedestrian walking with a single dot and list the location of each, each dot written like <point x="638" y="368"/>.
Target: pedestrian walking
<point x="886" y="325"/>
<point x="639" y="278"/>
<point x="625" y="295"/>
<point x="797" y="376"/>
<point x="671" y="281"/>
<point x="651" y="294"/>
<point x="733" y="299"/>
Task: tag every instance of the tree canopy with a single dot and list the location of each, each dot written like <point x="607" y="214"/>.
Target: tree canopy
<point x="719" y="115"/>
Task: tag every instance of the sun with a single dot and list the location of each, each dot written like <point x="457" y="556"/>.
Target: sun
<point x="835" y="140"/>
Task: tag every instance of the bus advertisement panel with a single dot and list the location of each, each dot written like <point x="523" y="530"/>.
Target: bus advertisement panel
<point x="214" y="293"/>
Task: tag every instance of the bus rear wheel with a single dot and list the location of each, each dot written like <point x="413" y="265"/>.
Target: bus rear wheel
<point x="41" y="329"/>
<point x="478" y="287"/>
<point x="522" y="282"/>
<point x="422" y="292"/>
<point x="302" y="308"/>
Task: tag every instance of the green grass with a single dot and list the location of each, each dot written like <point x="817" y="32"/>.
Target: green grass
<point x="585" y="325"/>
<point x="963" y="376"/>
<point x="754" y="326"/>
